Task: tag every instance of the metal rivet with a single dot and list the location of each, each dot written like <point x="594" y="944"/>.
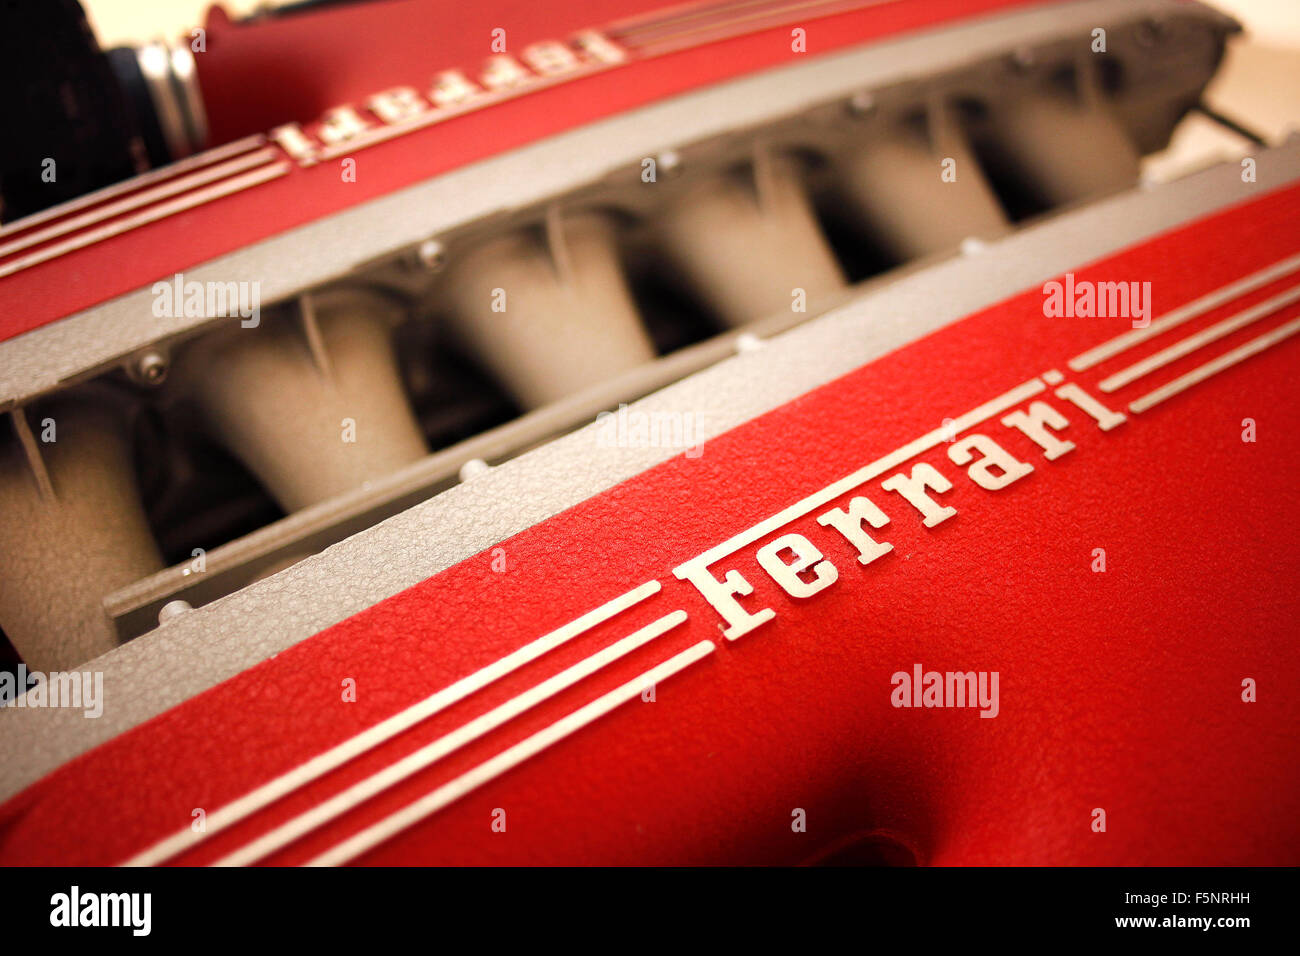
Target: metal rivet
<point x="862" y="103"/>
<point x="173" y="609"/>
<point x="669" y="162"/>
<point x="149" y="368"/>
<point x="431" y="254"/>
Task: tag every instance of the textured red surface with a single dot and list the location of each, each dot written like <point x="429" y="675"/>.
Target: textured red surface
<point x="1119" y="690"/>
<point x="295" y="68"/>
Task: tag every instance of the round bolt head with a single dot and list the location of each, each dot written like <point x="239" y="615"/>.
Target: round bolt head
<point x="173" y="609"/>
<point x="149" y="368"/>
<point x="669" y="162"/>
<point x="862" y="103"/>
<point x="430" y="254"/>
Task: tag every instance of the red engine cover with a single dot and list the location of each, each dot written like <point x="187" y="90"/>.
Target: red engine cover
<point x="1121" y="689"/>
